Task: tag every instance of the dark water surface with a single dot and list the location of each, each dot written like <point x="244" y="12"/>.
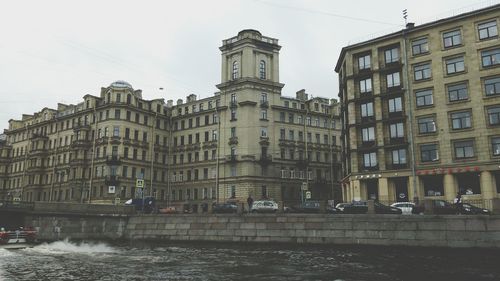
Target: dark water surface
<point x="65" y="260"/>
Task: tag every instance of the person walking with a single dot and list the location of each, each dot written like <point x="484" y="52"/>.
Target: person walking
<point x="458" y="199"/>
<point x="250" y="203"/>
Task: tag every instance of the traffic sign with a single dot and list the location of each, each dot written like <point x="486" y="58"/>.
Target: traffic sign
<point x="308" y="194"/>
<point x="139" y="183"/>
<point x="304" y="186"/>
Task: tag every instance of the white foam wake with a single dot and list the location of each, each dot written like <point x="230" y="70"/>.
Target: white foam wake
<point x="66" y="246"/>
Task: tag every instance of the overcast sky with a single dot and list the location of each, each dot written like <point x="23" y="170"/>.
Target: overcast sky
<point x="59" y="51"/>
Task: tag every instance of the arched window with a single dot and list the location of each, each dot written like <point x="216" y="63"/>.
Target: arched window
<point x="129" y="99"/>
<point x="109" y="98"/>
<point x="235" y="70"/>
<point x="262" y="70"/>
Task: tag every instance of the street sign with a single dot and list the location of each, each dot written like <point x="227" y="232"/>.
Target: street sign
<point x="117" y="200"/>
<point x="304" y="186"/>
<point x="139" y="183"/>
<point x="308" y="194"/>
<point x="111" y="189"/>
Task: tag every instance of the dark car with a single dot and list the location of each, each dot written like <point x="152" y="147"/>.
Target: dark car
<point x="225" y="208"/>
<point x="309" y="207"/>
<point x="469" y="209"/>
<point x="146" y="204"/>
<point x="442" y="207"/>
<point x="361" y="207"/>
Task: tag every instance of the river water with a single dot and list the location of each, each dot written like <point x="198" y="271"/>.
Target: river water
<point x="64" y="260"/>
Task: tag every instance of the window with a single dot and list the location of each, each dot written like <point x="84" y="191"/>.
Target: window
<point x="395" y="105"/>
<point x="235" y="70"/>
<point x="367" y="109"/>
<point x="495" y="146"/>
<point x="455" y="65"/>
<point x="263" y="114"/>
<point x="282" y="134"/>
<point x="116" y="131"/>
<point x="282" y="116"/>
<point x="396" y="130"/>
<point x="368" y="134"/>
<point x="262" y="70"/>
<point x="420" y="46"/>
<point x="422" y="71"/>
<point x="487" y="30"/>
<point x="424" y="98"/>
<point x="263" y="97"/>
<point x="233" y="132"/>
<point x="464" y="149"/>
<point x="393" y="80"/>
<point x="117" y="114"/>
<point x="263" y="132"/>
<point x="365" y="85"/>
<point x="457" y="92"/>
<point x="426" y="125"/>
<point x="364" y="62"/>
<point x="233" y="114"/>
<point x="492" y="86"/>
<point x="391" y="55"/>
<point x="291" y="135"/>
<point x="399" y="157"/>
<point x="494" y="116"/>
<point x="491" y="57"/>
<point x="429" y="153"/>
<point x="461" y="120"/>
<point x="452" y="38"/>
<point x="290" y="118"/>
<point x="214" y="135"/>
<point x="370" y="160"/>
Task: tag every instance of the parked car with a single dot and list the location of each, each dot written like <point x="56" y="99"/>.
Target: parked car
<point x="309" y="207"/>
<point x="340" y="206"/>
<point x="361" y="207"/>
<point x="146" y="204"/>
<point x="406" y="207"/>
<point x="264" y="206"/>
<point x="442" y="207"/>
<point x="228" y="207"/>
<point x="469" y="209"/>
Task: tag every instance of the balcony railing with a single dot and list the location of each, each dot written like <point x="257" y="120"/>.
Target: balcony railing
<point x="264" y="104"/>
<point x="232" y="158"/>
<point x="113" y="160"/>
<point x="112" y="180"/>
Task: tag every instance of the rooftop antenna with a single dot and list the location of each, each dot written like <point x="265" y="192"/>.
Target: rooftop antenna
<point x="405" y="16"/>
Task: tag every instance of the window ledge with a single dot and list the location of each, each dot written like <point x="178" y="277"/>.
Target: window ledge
<point x="458" y="102"/>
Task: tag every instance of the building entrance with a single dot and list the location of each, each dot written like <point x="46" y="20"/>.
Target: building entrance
<point x="401" y="188"/>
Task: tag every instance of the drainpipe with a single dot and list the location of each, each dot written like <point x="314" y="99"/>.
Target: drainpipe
<point x="410" y="116"/>
<point x="93" y="153"/>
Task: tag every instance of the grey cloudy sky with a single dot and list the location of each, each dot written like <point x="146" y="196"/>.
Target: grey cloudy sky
<point x="59" y="51"/>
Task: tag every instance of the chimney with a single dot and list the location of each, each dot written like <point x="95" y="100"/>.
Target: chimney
<point x="170" y="103"/>
<point x="410" y="25"/>
<point x="301" y="95"/>
<point x="179" y="102"/>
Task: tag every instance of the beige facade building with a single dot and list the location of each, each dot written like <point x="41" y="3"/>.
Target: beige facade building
<point x="246" y="139"/>
<point x="421" y="108"/>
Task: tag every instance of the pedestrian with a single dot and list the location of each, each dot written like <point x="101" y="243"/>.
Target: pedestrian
<point x="458" y="199"/>
<point x="250" y="203"/>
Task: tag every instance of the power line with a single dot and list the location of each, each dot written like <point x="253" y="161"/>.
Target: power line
<point x="325" y="13"/>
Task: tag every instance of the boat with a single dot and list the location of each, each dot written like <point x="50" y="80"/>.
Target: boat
<point x="17" y="239"/>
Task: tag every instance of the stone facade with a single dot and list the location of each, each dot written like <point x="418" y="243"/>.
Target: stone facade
<point x="421" y="107"/>
<point x="246" y="139"/>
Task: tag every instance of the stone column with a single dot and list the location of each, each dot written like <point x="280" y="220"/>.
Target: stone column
<point x="450" y="191"/>
<point x="487" y="189"/>
<point x="411" y="188"/>
<point x="383" y="190"/>
<point x="356" y="190"/>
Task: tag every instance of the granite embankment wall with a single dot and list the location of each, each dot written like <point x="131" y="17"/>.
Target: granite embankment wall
<point x="445" y="231"/>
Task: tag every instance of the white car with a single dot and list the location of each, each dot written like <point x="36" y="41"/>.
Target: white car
<point x="264" y="206"/>
<point x="340" y="206"/>
<point x="406" y="207"/>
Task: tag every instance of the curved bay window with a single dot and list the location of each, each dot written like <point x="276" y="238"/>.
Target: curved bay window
<point x="262" y="69"/>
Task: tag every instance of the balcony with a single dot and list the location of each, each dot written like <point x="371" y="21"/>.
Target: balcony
<point x="367" y="144"/>
<point x="264" y="104"/>
<point x="284" y="142"/>
<point x="38" y="152"/>
<point x="36" y="136"/>
<point x="233" y="140"/>
<point x="390" y="166"/>
<point x="395" y="141"/>
<point x="113" y="160"/>
<point x="112" y="180"/>
<point x="80" y="144"/>
<point x="233" y="104"/>
<point x="210" y="144"/>
<point x="115" y="140"/>
<point x="78" y="162"/>
<point x="102" y="140"/>
<point x="81" y="126"/>
<point x="265" y="159"/>
<point x="232" y="158"/>
<point x="372" y="168"/>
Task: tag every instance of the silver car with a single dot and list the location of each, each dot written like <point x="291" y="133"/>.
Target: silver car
<point x="264" y="206"/>
<point x="405" y="207"/>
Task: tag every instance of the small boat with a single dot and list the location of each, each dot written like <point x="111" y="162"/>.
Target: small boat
<point x="17" y="239"/>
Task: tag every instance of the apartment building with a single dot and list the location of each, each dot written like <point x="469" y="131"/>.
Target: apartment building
<point x="420" y="110"/>
<point x="50" y="152"/>
<point x="249" y="139"/>
<point x="246" y="139"/>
